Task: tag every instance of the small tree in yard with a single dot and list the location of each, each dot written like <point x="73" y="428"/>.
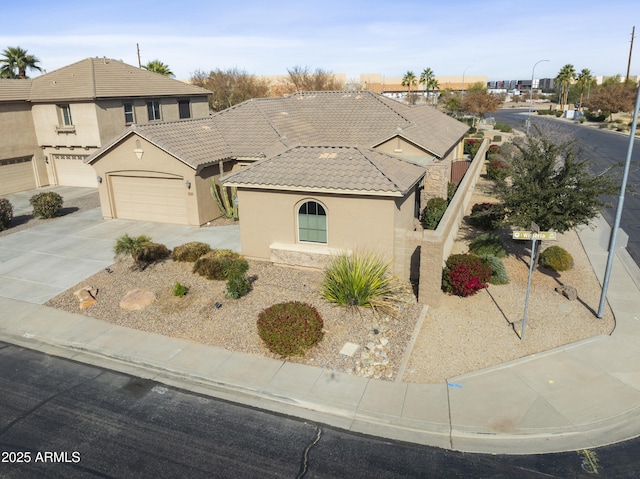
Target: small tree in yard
<point x="552" y="186"/>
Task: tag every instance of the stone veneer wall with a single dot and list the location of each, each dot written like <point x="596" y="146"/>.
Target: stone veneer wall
<point x="436" y="180"/>
<point x="425" y="252"/>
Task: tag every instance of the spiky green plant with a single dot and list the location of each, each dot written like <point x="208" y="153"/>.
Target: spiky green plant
<point x="361" y="279"/>
<point x="228" y="205"/>
<point x="498" y="271"/>
<point x="129" y="245"/>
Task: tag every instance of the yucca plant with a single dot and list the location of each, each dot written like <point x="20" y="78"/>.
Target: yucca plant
<point x="129" y="245"/>
<point x="361" y="279"/>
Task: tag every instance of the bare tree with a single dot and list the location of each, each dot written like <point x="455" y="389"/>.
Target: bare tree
<point x="303" y="79"/>
<point x="230" y="87"/>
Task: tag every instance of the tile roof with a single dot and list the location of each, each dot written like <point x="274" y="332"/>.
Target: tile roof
<point x="94" y="78"/>
<point x="326" y="168"/>
<point x="14" y="90"/>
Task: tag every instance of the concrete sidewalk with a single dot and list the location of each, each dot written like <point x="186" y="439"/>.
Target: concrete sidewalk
<point x="575" y="397"/>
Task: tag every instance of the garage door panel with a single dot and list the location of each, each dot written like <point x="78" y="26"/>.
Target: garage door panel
<point x="16" y="175"/>
<point x="72" y="171"/>
<point x="150" y="199"/>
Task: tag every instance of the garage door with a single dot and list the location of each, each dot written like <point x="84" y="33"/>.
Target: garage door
<point x="71" y="171"/>
<point x="149" y="199"/>
<point x="16" y="174"/>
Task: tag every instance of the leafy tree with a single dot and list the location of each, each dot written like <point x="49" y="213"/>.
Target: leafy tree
<point x="16" y="62"/>
<point x="613" y="96"/>
<point x="409" y="80"/>
<point x="303" y="79"/>
<point x="478" y="101"/>
<point x="230" y="87"/>
<point x="552" y="186"/>
<point x="565" y="76"/>
<point x="583" y="80"/>
<point x="156" y="66"/>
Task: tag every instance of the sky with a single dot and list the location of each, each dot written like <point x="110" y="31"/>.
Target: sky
<point x="501" y="40"/>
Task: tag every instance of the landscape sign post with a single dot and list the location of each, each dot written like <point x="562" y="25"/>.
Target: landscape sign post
<point x="534" y="235"/>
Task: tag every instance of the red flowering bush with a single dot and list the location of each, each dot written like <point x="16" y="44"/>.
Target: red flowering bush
<point x="465" y="275"/>
<point x="471" y="146"/>
<point x="289" y="329"/>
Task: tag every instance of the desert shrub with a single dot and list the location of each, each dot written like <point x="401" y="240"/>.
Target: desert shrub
<point x="498" y="170"/>
<point x="503" y="127"/>
<point x="556" y="258"/>
<point x="558" y="114"/>
<point x="215" y="264"/>
<point x="360" y="279"/>
<point x="46" y="205"/>
<point x="127" y="245"/>
<point x="150" y="253"/>
<point x="237" y="283"/>
<point x="498" y="271"/>
<point x="471" y="146"/>
<point x="179" y="290"/>
<point x="190" y="252"/>
<point x="596" y="117"/>
<point x="451" y="191"/>
<point x="433" y="213"/>
<point x="6" y="213"/>
<point x="290" y="329"/>
<point x="486" y="216"/>
<point x="487" y="243"/>
<point x="494" y="149"/>
<point x="497" y="138"/>
<point x="465" y="275"/>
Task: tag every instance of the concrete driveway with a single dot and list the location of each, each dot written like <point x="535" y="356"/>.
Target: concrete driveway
<point x="38" y="263"/>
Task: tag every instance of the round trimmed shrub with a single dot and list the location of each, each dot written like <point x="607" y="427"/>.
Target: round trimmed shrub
<point x="190" y="252"/>
<point x="6" y="213"/>
<point x="290" y="329"/>
<point x="498" y="271"/>
<point x="486" y="216"/>
<point x="433" y="213"/>
<point x="465" y="274"/>
<point x="150" y="253"/>
<point x="217" y="263"/>
<point x="556" y="258"/>
<point x="487" y="243"/>
<point x="498" y="170"/>
<point x="46" y="205"/>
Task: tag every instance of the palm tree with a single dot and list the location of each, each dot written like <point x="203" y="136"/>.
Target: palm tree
<point x="426" y="77"/>
<point x="584" y="80"/>
<point x="432" y="86"/>
<point x="15" y="63"/>
<point x="565" y="76"/>
<point x="409" y="79"/>
<point x="156" y="66"/>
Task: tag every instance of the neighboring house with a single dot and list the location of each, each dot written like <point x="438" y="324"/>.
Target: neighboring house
<point x="50" y="124"/>
<point x="323" y="171"/>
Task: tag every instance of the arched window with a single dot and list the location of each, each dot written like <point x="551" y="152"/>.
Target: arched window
<point x="312" y="222"/>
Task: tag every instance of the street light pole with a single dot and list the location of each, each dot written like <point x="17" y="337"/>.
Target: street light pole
<point x="465" y="71"/>
<point x="531" y="94"/>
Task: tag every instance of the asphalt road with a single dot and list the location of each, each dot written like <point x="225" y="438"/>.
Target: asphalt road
<point x="604" y="149"/>
<point x="61" y="419"/>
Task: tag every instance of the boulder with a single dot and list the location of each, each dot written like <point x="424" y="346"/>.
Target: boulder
<point x="86" y="296"/>
<point x="137" y="299"/>
<point x="569" y="292"/>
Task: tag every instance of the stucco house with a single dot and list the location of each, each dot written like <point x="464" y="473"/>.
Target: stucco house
<point x="51" y="123"/>
<point x="315" y="172"/>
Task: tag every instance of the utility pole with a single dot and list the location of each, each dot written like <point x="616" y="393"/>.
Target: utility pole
<point x="140" y="63"/>
<point x="630" y="51"/>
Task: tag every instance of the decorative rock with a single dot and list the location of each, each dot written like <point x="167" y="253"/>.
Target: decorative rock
<point x="137" y="299"/>
<point x="569" y="292"/>
<point x="87" y="296"/>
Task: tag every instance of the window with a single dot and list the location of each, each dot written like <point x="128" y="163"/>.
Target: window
<point x="184" y="109"/>
<point x="153" y="110"/>
<point x="64" y="115"/>
<point x="312" y="223"/>
<point x="128" y="113"/>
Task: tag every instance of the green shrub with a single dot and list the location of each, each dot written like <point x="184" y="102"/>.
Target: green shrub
<point x="558" y="114"/>
<point x="215" y="264"/>
<point x="190" y="252"/>
<point x="433" y="213"/>
<point x="487" y="243"/>
<point x="127" y="245"/>
<point x="504" y="128"/>
<point x="290" y="329"/>
<point x="486" y="216"/>
<point x="6" y="213"/>
<point x="360" y="279"/>
<point x="46" y="205"/>
<point x="556" y="258"/>
<point x="494" y="149"/>
<point x="498" y="271"/>
<point x="451" y="191"/>
<point x="237" y="283"/>
<point x="471" y="146"/>
<point x="596" y="117"/>
<point x="465" y="275"/>
<point x="150" y="253"/>
<point x="179" y="290"/>
<point x="498" y="170"/>
<point x="497" y="138"/>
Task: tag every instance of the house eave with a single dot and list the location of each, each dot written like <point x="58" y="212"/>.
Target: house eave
<point x="303" y="189"/>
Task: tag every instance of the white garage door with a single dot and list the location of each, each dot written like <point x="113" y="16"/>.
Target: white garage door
<point x="16" y="174"/>
<point x="150" y="199"/>
<point x="72" y="171"/>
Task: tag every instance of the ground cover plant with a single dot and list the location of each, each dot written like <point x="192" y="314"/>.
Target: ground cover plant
<point x="290" y="328"/>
